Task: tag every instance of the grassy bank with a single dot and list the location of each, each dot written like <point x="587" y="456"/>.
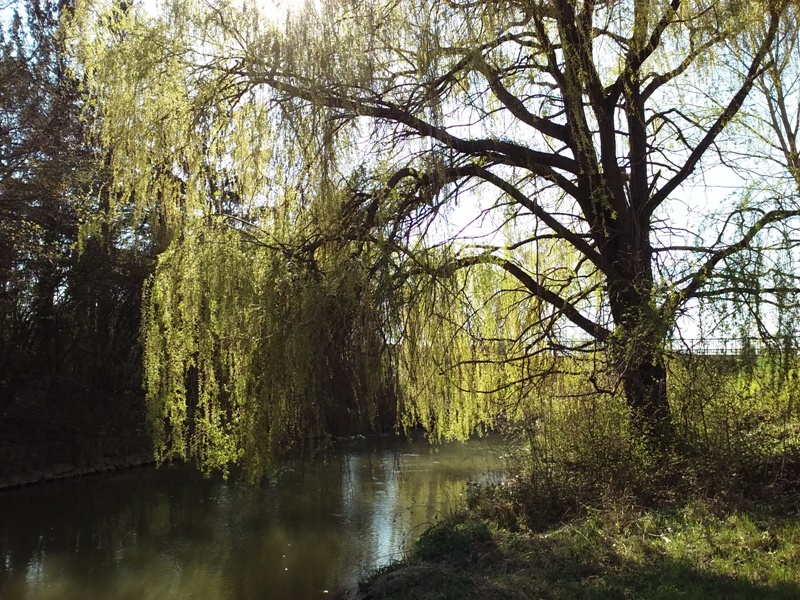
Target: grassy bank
<point x="592" y="511"/>
<point x="698" y="551"/>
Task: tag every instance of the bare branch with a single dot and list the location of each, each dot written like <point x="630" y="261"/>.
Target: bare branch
<point x="597" y="331"/>
<point x="757" y="67"/>
<point x="701" y="275"/>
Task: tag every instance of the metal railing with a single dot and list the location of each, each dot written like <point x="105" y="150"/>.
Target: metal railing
<point x="710" y="346"/>
<point x="721" y="346"/>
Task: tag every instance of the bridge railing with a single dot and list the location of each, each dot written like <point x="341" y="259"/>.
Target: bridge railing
<point x="719" y="346"/>
<point x="710" y="346"/>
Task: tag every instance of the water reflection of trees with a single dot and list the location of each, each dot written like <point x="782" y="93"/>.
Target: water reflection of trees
<point x="149" y="534"/>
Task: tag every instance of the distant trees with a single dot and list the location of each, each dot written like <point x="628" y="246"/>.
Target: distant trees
<point x="34" y="219"/>
<point x="775" y="116"/>
<point x="584" y="131"/>
<point x="69" y="301"/>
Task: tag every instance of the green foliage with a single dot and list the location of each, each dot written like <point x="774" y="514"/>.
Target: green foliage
<point x="738" y="413"/>
<point x="248" y="359"/>
<point x="452" y="541"/>
<point x="69" y="302"/>
<point x="294" y="175"/>
<point x="736" y="438"/>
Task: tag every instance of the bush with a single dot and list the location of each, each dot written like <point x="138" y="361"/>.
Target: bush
<point x="737" y="439"/>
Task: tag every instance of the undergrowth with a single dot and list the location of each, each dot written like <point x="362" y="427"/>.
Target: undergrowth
<point x="695" y="552"/>
<point x="590" y="511"/>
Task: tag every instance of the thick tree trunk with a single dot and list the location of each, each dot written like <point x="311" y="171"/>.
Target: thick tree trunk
<point x="645" y="384"/>
<point x="637" y="350"/>
<point x="637" y="355"/>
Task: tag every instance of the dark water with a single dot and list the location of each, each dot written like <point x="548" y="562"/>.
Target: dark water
<point x="168" y="533"/>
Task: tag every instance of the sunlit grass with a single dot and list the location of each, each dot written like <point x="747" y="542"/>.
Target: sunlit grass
<point x="688" y="553"/>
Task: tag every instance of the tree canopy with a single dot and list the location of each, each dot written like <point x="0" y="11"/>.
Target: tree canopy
<point x="632" y="169"/>
<point x="69" y="302"/>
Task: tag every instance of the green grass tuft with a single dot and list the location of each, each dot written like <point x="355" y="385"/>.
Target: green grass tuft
<point x="691" y="553"/>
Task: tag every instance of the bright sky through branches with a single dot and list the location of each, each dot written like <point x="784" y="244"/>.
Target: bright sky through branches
<point x="273" y="9"/>
<point x="699" y="205"/>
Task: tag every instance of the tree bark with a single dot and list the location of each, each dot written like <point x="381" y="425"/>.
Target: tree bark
<point x="637" y="346"/>
<point x="645" y="385"/>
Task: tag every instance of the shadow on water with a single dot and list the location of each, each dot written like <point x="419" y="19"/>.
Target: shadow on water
<point x="169" y="533"/>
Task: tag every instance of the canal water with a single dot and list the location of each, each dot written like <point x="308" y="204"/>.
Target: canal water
<point x="169" y="533"/>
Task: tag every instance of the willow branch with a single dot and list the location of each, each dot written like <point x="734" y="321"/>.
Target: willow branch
<point x="756" y="69"/>
<point x="566" y="308"/>
<point x="701" y="275"/>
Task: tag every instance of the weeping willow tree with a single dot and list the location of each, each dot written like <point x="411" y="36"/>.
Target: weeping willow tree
<point x="301" y="173"/>
<point x="246" y="357"/>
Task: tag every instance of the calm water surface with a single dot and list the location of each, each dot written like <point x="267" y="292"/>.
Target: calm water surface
<point x="168" y="533"/>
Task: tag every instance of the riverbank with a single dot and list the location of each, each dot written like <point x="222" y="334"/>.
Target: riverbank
<point x="29" y="464"/>
<point x="695" y="552"/>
